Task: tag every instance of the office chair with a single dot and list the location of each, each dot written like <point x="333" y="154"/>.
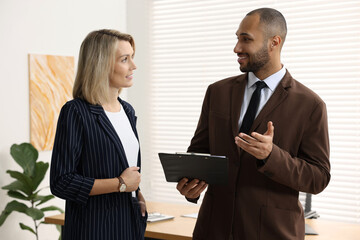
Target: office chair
<point x="308" y="213"/>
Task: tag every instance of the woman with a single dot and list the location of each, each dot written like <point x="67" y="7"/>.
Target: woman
<point x="96" y="159"/>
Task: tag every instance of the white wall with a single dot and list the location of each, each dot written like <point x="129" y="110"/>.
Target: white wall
<point x="138" y="25"/>
<point x="43" y="27"/>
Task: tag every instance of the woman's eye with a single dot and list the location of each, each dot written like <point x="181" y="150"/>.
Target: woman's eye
<point x="124" y="59"/>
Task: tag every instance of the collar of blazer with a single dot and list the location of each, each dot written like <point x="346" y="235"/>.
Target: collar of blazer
<point x="279" y="95"/>
<point x="275" y="100"/>
<point x="99" y="110"/>
<point x="108" y="128"/>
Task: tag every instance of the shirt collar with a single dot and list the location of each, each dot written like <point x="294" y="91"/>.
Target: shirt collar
<point x="271" y="81"/>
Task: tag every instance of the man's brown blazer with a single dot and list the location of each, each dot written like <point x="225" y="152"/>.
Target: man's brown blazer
<point x="261" y="202"/>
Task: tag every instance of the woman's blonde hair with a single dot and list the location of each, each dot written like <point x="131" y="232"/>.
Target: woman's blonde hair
<point x="96" y="61"/>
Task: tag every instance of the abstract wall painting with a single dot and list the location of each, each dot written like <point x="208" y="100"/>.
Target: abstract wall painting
<point x="51" y="81"/>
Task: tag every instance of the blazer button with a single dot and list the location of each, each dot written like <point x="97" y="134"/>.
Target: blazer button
<point x="268" y="174"/>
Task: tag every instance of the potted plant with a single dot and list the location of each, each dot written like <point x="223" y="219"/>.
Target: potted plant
<point x="25" y="187"/>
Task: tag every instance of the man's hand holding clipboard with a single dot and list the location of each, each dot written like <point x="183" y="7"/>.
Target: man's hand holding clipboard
<point x="194" y="171"/>
<point x="191" y="190"/>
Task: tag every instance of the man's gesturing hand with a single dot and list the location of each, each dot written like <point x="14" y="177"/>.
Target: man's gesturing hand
<point x="258" y="145"/>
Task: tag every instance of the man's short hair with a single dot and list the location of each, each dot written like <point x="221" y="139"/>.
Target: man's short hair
<point x="273" y="22"/>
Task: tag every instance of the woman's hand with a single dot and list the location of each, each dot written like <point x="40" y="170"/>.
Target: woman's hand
<point x="132" y="178"/>
<point x="142" y="203"/>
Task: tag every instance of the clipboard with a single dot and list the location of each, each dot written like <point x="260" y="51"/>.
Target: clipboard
<point x="209" y="168"/>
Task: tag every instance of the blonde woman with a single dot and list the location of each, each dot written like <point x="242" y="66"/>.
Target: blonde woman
<point x="95" y="163"/>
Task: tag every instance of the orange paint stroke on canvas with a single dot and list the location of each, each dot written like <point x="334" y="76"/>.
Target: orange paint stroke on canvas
<point x="51" y="82"/>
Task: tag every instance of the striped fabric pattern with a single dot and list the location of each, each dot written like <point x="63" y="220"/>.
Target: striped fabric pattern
<point x="86" y="148"/>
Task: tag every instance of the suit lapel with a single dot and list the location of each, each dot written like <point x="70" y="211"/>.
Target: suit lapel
<point x="237" y="97"/>
<point x="131" y="117"/>
<point x="108" y="128"/>
<point x="279" y="95"/>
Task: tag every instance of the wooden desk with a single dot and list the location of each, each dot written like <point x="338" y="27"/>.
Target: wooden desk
<point x="332" y="230"/>
<point x="180" y="228"/>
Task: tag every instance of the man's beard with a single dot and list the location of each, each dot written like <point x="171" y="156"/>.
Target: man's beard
<point x="257" y="60"/>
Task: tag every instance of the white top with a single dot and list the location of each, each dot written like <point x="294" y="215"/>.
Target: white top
<point x="271" y="82"/>
<point x="122" y="126"/>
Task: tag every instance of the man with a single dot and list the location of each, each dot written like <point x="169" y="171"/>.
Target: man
<point x="283" y="148"/>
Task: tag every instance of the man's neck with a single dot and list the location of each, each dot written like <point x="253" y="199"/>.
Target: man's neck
<point x="268" y="71"/>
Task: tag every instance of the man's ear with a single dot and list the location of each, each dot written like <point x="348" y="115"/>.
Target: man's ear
<point x="275" y="42"/>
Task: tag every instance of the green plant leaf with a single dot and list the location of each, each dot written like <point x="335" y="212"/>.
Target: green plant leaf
<point x="16" y="194"/>
<point x="24" y="227"/>
<point x="25" y="155"/>
<point x="25" y="180"/>
<point x="16" y="206"/>
<point x="43" y="199"/>
<point x="52" y="208"/>
<point x="10" y="207"/>
<point x="35" y="213"/>
<point x="34" y="196"/>
<point x="59" y="228"/>
<point x="3" y="217"/>
<point x="37" y="191"/>
<point x="40" y="171"/>
<point x="17" y="186"/>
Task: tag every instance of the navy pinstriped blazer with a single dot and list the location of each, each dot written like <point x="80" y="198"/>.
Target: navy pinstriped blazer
<point x="86" y="148"/>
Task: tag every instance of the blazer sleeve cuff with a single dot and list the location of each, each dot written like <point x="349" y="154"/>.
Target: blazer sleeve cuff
<point x="266" y="166"/>
<point x="193" y="200"/>
<point x="84" y="191"/>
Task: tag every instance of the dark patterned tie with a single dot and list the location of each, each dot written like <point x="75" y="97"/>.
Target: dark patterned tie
<point x="252" y="108"/>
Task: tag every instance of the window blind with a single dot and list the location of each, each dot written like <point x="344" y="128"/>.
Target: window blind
<point x="192" y="46"/>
